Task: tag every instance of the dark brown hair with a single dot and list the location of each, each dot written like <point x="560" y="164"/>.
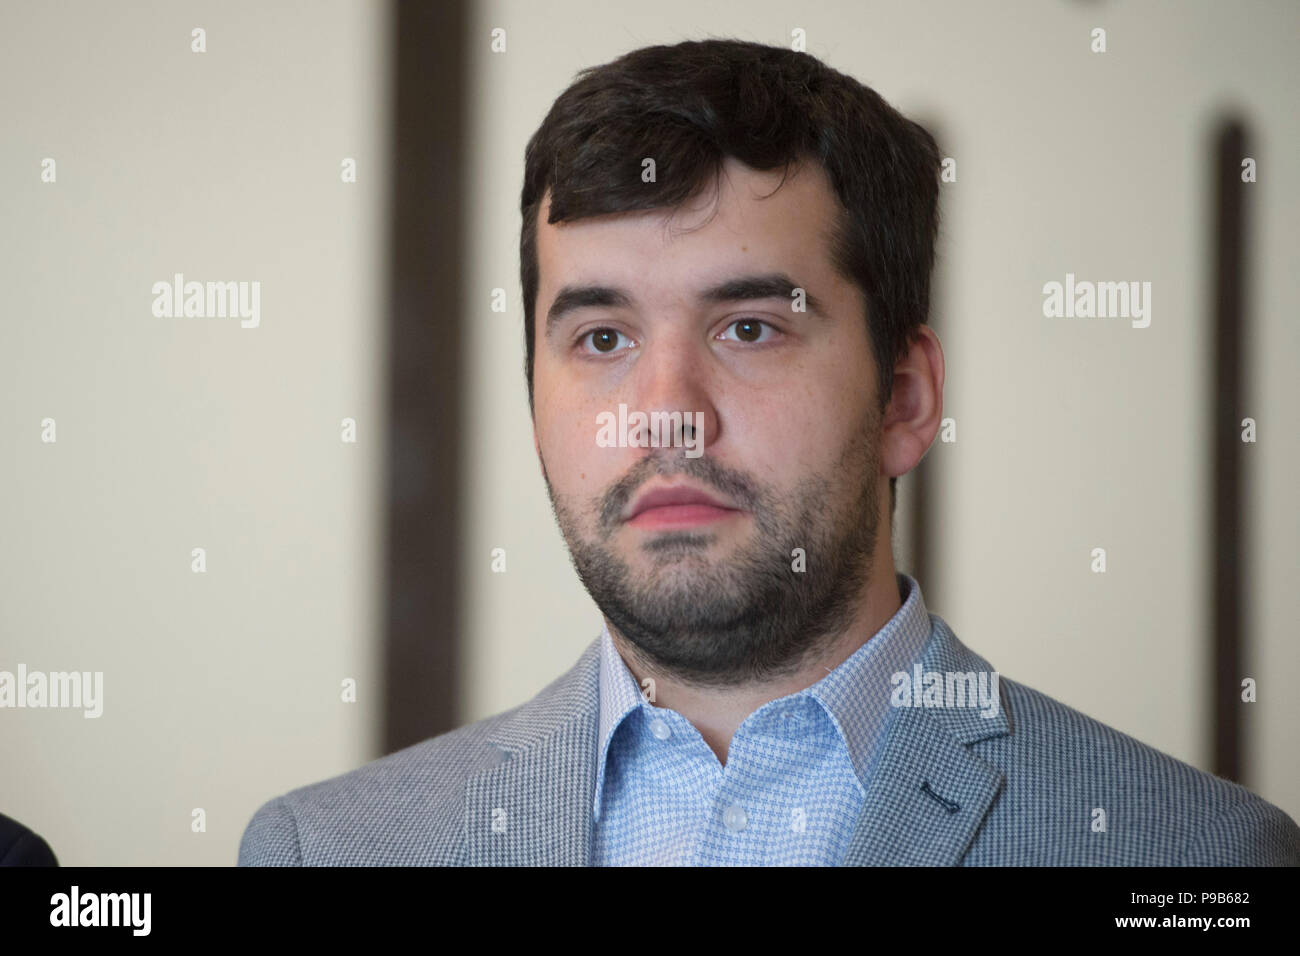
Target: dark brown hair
<point x="691" y="105"/>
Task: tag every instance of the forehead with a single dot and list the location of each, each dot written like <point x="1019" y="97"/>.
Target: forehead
<point x="746" y="222"/>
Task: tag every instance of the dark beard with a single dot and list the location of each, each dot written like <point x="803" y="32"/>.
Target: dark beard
<point x="754" y="619"/>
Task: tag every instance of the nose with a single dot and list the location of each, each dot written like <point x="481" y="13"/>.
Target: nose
<point x="672" y="375"/>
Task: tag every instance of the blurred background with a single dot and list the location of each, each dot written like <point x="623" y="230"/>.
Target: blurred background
<point x="348" y="466"/>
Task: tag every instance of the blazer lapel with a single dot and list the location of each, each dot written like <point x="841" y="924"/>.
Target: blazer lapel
<point x="534" y="808"/>
<point x="929" y="794"/>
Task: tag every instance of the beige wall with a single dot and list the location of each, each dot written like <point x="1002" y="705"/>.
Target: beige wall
<point x="222" y="689"/>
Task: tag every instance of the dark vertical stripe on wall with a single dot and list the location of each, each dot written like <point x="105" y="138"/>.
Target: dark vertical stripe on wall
<point x="1229" y="544"/>
<point x="423" y="379"/>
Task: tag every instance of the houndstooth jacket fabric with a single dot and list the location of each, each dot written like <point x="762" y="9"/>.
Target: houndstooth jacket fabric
<point x="952" y="788"/>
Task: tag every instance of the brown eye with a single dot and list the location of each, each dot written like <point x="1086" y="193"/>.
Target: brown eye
<point x="603" y="340"/>
<point x="748" y="330"/>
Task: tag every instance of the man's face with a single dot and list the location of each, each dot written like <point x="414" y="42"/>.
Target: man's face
<point x="788" y="426"/>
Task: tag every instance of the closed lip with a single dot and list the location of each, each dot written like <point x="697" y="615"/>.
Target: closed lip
<point x="681" y="495"/>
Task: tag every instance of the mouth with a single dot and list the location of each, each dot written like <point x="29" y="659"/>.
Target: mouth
<point x="679" y="507"/>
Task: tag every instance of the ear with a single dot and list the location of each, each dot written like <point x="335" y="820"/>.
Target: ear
<point x="915" y="409"/>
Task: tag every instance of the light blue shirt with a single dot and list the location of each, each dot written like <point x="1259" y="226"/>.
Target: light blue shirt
<point x="796" y="774"/>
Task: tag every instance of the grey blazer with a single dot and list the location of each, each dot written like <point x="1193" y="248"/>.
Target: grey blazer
<point x="952" y="788"/>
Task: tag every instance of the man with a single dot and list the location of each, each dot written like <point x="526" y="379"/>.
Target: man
<point x="742" y="238"/>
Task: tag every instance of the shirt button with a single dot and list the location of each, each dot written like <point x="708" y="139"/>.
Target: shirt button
<point x="660" y="729"/>
<point x="734" y="817"/>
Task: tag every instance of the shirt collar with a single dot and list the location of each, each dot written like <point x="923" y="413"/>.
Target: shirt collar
<point x="855" y="695"/>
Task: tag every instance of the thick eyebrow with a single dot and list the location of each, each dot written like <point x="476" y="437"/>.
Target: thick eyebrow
<point x="748" y="288"/>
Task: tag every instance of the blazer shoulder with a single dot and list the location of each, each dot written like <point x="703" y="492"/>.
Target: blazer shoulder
<point x="20" y="846"/>
<point x="1066" y="771"/>
<point x="402" y="809"/>
<point x="407" y="809"/>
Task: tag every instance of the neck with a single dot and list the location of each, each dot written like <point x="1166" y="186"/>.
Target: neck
<point x="717" y="712"/>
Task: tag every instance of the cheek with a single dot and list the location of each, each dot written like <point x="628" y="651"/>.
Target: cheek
<point x="804" y="429"/>
<point x="575" y="464"/>
<point x="566" y="420"/>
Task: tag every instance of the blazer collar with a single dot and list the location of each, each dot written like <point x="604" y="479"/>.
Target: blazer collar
<point x="534" y="807"/>
<point x="926" y="798"/>
<point x="929" y="792"/>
